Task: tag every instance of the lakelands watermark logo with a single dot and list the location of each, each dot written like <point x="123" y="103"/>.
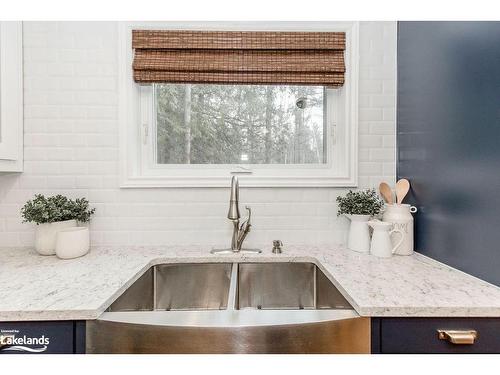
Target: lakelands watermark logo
<point x="11" y="340"/>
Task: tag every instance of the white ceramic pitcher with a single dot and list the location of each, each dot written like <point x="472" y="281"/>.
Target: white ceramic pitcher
<point x="381" y="245"/>
<point x="358" y="238"/>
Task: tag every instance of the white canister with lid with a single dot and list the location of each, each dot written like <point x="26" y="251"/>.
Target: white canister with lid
<point x="400" y="215"/>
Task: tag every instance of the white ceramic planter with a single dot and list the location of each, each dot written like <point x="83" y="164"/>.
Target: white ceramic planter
<point x="72" y="242"/>
<point x="358" y="238"/>
<point x="45" y="236"/>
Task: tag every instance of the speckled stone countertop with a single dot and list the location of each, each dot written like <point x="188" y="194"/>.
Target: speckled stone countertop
<point x="34" y="287"/>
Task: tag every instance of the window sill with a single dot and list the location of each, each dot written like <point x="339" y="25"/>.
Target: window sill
<point x="246" y="181"/>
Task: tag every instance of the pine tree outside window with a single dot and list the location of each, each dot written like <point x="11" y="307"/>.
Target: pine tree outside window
<point x="239" y="124"/>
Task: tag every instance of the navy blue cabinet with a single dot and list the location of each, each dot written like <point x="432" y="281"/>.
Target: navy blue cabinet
<point x="420" y="335"/>
<point x="448" y="128"/>
<point x="389" y="336"/>
<point x="50" y="337"/>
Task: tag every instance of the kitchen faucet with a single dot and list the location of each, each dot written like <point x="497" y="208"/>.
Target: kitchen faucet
<point x="239" y="231"/>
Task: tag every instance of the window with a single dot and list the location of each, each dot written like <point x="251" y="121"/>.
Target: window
<point x="238" y="124"/>
<point x="270" y="135"/>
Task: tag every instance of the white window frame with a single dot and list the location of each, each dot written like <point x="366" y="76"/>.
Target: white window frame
<point x="136" y="118"/>
<point x="11" y="96"/>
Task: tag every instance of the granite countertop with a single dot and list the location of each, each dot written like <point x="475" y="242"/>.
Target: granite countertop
<point x="34" y="287"/>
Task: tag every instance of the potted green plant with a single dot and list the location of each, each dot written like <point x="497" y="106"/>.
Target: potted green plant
<point x="359" y="207"/>
<point x="52" y="214"/>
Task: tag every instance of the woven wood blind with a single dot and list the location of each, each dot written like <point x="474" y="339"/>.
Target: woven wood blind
<point x="239" y="57"/>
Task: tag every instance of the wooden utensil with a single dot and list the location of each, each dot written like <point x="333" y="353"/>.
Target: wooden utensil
<point x="402" y="188"/>
<point x="386" y="192"/>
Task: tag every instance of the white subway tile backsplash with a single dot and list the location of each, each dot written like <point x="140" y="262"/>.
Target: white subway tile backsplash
<point x="96" y="98"/>
<point x="370" y="114"/>
<point x="9" y="210"/>
<point x="73" y="168"/>
<point x="95" y="69"/>
<point x="381" y="154"/>
<point x="11" y="239"/>
<point x="41" y="167"/>
<point x="389" y="141"/>
<point x="27" y="238"/>
<point x="60" y="97"/>
<point x="73" y="140"/>
<point x="72" y="83"/>
<point x="32" y="182"/>
<point x="72" y="112"/>
<point x="15" y="225"/>
<point x="41" y="112"/>
<point x="71" y="147"/>
<point x="102" y="196"/>
<point x="61" y="182"/>
<point x="59" y="69"/>
<point x="60" y="39"/>
<point x="102" y="112"/>
<point x="389" y="86"/>
<point x="90" y="182"/>
<point x="102" y="167"/>
<point x="57" y="126"/>
<point x="96" y="153"/>
<point x="370" y="168"/>
<point x="370" y="141"/>
<point x="370" y="86"/>
<point x="60" y="153"/>
<point x="389" y="168"/>
<point x="101" y="140"/>
<point x="389" y="114"/>
<point x="96" y="126"/>
<point x="101" y="84"/>
<point x="34" y="154"/>
<point x="382" y="127"/>
<point x="383" y="101"/>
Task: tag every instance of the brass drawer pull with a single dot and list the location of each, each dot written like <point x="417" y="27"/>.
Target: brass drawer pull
<point x="466" y="337"/>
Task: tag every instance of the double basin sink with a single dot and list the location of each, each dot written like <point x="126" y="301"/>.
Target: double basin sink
<point x="230" y="308"/>
<point x="219" y="286"/>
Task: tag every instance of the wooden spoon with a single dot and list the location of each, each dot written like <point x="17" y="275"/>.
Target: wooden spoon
<point x="402" y="188"/>
<point x="386" y="192"/>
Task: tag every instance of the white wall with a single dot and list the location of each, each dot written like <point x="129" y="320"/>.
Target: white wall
<point x="71" y="147"/>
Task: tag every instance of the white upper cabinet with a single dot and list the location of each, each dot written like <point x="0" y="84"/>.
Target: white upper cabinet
<point x="11" y="97"/>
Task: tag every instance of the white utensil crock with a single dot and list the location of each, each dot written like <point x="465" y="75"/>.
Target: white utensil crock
<point x="72" y="242"/>
<point x="358" y="238"/>
<point x="400" y="216"/>
<point x="381" y="245"/>
<point x="45" y="236"/>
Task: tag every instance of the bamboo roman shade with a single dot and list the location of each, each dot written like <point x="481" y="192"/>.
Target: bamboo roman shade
<point x="239" y="57"/>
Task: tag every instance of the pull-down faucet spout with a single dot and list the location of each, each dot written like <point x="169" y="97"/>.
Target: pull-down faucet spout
<point x="234" y="210"/>
<point x="240" y="232"/>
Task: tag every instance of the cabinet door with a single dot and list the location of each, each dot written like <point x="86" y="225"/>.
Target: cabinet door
<point x="48" y="337"/>
<point x="11" y="97"/>
<point x="420" y="335"/>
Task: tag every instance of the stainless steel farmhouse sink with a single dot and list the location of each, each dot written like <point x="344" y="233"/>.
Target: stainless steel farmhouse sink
<point x="230" y="308"/>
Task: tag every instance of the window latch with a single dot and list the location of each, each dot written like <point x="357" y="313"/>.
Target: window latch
<point x="145" y="133"/>
<point x="241" y="170"/>
<point x="334" y="133"/>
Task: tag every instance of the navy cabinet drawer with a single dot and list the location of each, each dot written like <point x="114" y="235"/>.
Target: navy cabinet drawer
<point x="419" y="335"/>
